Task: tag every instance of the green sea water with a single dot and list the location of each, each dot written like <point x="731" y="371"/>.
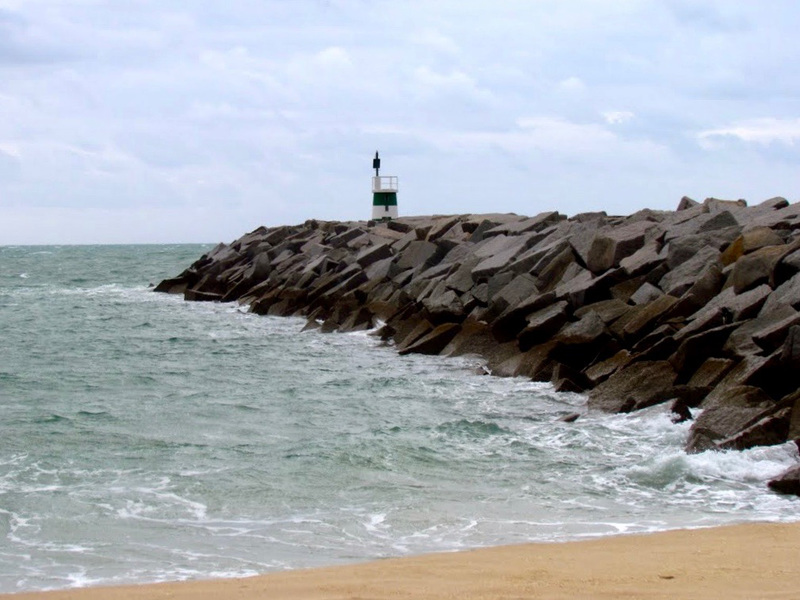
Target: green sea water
<point x="143" y="438"/>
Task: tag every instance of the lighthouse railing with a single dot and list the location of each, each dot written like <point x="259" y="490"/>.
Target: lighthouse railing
<point x="384" y="183"/>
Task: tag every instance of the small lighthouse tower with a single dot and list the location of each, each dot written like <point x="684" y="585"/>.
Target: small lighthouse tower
<point x="384" y="193"/>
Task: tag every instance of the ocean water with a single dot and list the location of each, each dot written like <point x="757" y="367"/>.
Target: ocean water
<point x="144" y="438"/>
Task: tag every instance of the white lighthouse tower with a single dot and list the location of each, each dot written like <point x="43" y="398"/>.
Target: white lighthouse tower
<point x="384" y="193"/>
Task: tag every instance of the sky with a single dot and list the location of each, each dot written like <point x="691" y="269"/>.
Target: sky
<point x="159" y="121"/>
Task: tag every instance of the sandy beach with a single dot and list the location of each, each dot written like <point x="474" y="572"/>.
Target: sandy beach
<point x="741" y="561"/>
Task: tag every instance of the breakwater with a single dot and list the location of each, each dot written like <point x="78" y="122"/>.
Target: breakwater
<point x="696" y="307"/>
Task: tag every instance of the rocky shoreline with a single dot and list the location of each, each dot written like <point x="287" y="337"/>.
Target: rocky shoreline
<point x="697" y="307"/>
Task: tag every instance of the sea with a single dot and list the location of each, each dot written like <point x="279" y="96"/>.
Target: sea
<point x="145" y="439"/>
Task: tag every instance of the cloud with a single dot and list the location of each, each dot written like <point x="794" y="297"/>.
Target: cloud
<point x="616" y="117"/>
<point x="437" y="41"/>
<point x="759" y="131"/>
<point x="572" y="84"/>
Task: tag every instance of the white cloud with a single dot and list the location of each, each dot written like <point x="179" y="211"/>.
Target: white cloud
<point x="10" y="149"/>
<point x="616" y="117"/>
<point x="431" y="38"/>
<point x="334" y="57"/>
<point x="572" y="84"/>
<point x="429" y="83"/>
<point x="759" y="131"/>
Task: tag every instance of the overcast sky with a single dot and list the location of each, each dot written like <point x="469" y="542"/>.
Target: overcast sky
<point x="127" y="121"/>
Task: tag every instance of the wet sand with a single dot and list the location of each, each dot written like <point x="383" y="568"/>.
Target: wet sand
<point x="741" y="561"/>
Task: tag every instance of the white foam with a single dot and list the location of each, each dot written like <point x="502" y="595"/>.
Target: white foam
<point x="757" y="464"/>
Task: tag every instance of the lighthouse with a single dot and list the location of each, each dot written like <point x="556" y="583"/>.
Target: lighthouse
<point x="384" y="193"/>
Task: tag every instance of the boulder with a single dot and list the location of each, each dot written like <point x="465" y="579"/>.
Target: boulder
<point x="432" y="342"/>
<point x="419" y="255"/>
<point x="517" y="290"/>
<point x="496" y="262"/>
<point x="740" y="307"/>
<point x="536" y="363"/>
<point x="542" y="324"/>
<point x="460" y="280"/>
<point x="787" y="294"/>
<point x="508" y="325"/>
<point x="730" y="412"/>
<point x="644" y="260"/>
<point x="767" y="431"/>
<point x="741" y="341"/>
<point x="583" y="342"/>
<point x="787" y="483"/>
<point x="175" y="285"/>
<point x="441" y="228"/>
<point x="711" y="372"/>
<point x="677" y="281"/>
<point x="790" y="353"/>
<point x="695" y="349"/>
<point x="646" y="293"/>
<point x="584" y="288"/>
<point x="641" y="319"/>
<point x="774" y="335"/>
<point x="716" y="205"/>
<point x="635" y="386"/>
<point x="198" y="296"/>
<point x="525" y="225"/>
<point x="600" y="371"/>
<point x="608" y="246"/>
<point x="556" y="265"/>
<point x="444" y="305"/>
<point x="755" y="268"/>
<point x="373" y="254"/>
<point x="721" y="220"/>
<point x="759" y="237"/>
<point x="566" y="379"/>
<point x="608" y="310"/>
<point x="473" y="338"/>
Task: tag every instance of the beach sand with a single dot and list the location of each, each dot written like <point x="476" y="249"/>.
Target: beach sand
<point x="741" y="561"/>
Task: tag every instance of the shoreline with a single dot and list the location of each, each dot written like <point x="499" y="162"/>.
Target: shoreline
<point x="735" y="561"/>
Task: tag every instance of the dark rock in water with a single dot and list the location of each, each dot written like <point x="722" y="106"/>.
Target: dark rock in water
<point x="570" y="418"/>
<point x="176" y="285"/>
<point x="197" y="296"/>
<point x="787" y="483"/>
<point x="694" y="306"/>
<point x="729" y="413"/>
<point x="769" y="430"/>
<point x="680" y="411"/>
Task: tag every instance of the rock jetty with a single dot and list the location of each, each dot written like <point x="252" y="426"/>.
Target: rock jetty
<point x="697" y="307"/>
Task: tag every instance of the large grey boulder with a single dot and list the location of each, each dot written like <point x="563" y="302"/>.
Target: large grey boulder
<point x="787" y="294"/>
<point x="756" y="268"/>
<point x="633" y="387"/>
<point x="638" y="321"/>
<point x="677" y="281"/>
<point x="727" y="414"/>
<point x="513" y="293"/>
<point x="542" y="324"/>
<point x="742" y="342"/>
<point x="768" y="430"/>
<point x="419" y="255"/>
<point x="372" y="254"/>
<point x="432" y="342"/>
